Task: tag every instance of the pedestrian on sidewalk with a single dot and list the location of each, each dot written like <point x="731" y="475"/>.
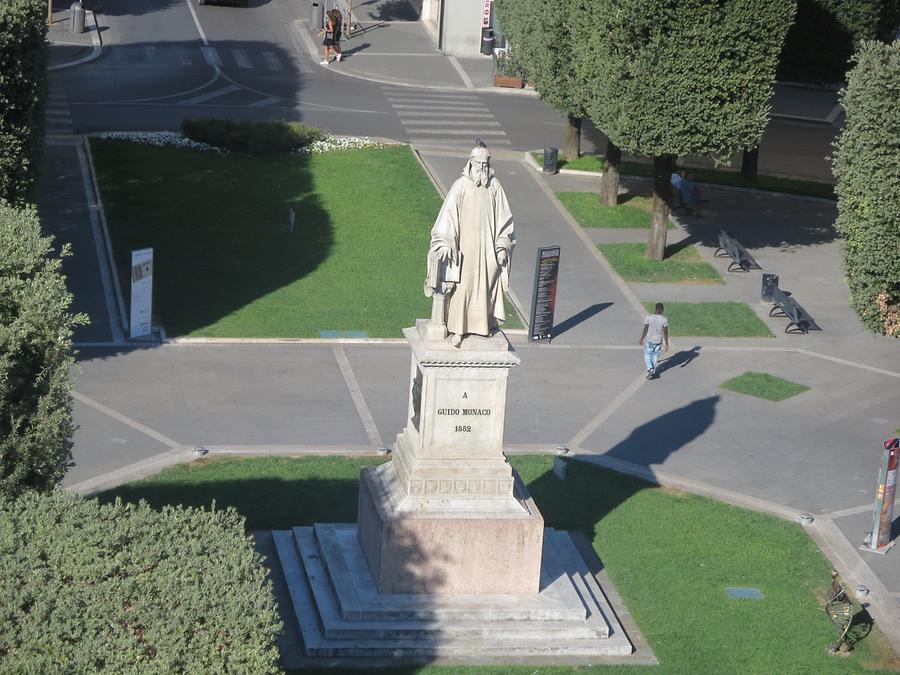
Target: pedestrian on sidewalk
<point x="332" y="37"/>
<point x="654" y="338"/>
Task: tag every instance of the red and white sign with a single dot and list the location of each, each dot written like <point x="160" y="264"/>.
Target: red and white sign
<point x="486" y="14"/>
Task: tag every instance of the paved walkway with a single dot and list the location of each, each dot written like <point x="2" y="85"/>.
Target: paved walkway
<point x="141" y="408"/>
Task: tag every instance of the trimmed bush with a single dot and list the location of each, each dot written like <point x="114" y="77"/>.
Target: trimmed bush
<point x="35" y="357"/>
<point x="251" y="138"/>
<point x="866" y="166"/>
<point x="118" y="588"/>
<point x="23" y="88"/>
<point x="825" y="34"/>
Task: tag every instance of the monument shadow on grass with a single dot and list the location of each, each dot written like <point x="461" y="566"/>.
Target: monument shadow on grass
<point x="576" y="504"/>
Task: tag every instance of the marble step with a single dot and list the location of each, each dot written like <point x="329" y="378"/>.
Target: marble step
<point x="359" y="599"/>
<point x="335" y="627"/>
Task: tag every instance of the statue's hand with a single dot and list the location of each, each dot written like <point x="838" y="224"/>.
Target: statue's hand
<point x="445" y="253"/>
<point x="502" y="257"/>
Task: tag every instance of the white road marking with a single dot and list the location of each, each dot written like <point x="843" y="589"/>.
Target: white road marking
<point x="211" y="56"/>
<point x="265" y="102"/>
<point x="358" y="399"/>
<point x="241" y="58"/>
<point x="458" y="132"/>
<point x="197" y="22"/>
<point x="462" y="73"/>
<point x="434" y="122"/>
<point x="272" y="62"/>
<point x="149" y="52"/>
<point x="211" y="95"/>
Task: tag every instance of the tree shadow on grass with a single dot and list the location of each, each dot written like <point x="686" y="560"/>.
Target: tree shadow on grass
<point x="219" y="226"/>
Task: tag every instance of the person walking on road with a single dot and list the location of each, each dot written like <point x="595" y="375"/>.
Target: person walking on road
<point x="332" y="39"/>
<point x="654" y="338"/>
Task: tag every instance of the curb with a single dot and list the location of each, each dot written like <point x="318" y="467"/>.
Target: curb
<point x="95" y="51"/>
<point x="530" y="161"/>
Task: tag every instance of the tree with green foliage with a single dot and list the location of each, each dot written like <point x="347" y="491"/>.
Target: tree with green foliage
<point x="123" y="588"/>
<point x="541" y="35"/>
<point x="35" y="356"/>
<point x="826" y="33"/>
<point x="866" y="165"/>
<point x="23" y="85"/>
<point x="667" y="78"/>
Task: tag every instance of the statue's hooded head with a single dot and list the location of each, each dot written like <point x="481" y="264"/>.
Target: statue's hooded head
<point x="478" y="168"/>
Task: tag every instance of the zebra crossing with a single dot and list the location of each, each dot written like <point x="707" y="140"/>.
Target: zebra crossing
<point x="57" y="116"/>
<point x="445" y="119"/>
<point x="234" y="58"/>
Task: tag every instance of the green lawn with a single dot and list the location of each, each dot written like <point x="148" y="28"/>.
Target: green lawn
<point x="807" y="188"/>
<point x="712" y="319"/>
<point x="763" y="385"/>
<point x="684" y="265"/>
<point x="633" y="211"/>
<point x="224" y="267"/>
<point x="670" y="555"/>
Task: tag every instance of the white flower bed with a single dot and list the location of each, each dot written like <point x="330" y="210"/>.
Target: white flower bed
<point x="161" y="138"/>
<point x="175" y="139"/>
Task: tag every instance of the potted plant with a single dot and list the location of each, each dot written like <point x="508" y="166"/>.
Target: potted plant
<point x="507" y="72"/>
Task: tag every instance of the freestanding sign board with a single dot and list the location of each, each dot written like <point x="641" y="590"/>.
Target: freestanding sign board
<point x="543" y="301"/>
<point x="141" y="292"/>
<point x="879" y="539"/>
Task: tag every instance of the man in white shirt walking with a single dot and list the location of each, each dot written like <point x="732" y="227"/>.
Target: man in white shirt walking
<point x="654" y="338"/>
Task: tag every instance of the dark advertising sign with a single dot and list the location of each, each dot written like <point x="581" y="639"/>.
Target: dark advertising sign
<point x="543" y="301"/>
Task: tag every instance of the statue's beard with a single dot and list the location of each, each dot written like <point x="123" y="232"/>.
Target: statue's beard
<point x="479" y="177"/>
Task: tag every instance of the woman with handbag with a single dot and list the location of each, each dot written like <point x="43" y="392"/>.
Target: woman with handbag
<point x="332" y="32"/>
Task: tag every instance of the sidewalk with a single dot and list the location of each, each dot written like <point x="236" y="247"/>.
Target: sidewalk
<point x="70" y="49"/>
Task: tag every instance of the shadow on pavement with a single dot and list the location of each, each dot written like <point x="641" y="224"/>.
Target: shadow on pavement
<point x="582" y="316"/>
<point x="680" y="359"/>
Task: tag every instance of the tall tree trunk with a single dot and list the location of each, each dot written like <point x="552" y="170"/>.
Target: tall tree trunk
<point x="662" y="193"/>
<point x="609" y="184"/>
<point x="750" y="164"/>
<point x="573" y="138"/>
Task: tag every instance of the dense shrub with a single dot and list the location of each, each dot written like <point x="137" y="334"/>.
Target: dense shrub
<point x="23" y="84"/>
<point x="867" y="167"/>
<point x="825" y="34"/>
<point x="252" y="138"/>
<point x="86" y="587"/>
<point x="35" y="357"/>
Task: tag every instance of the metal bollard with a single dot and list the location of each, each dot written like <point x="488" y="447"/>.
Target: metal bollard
<point x="77" y="21"/>
<point x="769" y="284"/>
<point x="317" y="14"/>
<point x="551" y="156"/>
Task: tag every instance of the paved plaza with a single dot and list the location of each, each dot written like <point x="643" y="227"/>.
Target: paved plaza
<point x="140" y="407"/>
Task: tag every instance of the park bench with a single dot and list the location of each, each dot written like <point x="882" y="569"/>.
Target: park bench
<point x="839" y="610"/>
<point x="740" y="259"/>
<point x="798" y="317"/>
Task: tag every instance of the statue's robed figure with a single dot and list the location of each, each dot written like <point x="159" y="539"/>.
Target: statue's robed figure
<point x="471" y="249"/>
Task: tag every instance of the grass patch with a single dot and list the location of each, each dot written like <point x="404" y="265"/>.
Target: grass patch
<point x="712" y="319"/>
<point x="807" y="188"/>
<point x="226" y="265"/>
<point x="763" y="385"/>
<point x="633" y="211"/>
<point x="683" y="265"/>
<point x="654" y="542"/>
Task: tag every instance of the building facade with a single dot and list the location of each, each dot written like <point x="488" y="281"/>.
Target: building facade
<point x="461" y="26"/>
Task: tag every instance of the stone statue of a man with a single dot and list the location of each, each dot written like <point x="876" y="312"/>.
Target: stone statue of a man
<point x="471" y="250"/>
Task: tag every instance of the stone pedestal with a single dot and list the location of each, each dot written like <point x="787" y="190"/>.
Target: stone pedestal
<point x="447" y="516"/>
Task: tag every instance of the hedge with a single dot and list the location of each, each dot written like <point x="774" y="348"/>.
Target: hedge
<point x="866" y="166"/>
<point x="825" y="34"/>
<point x="36" y="354"/>
<point x="118" y="588"/>
<point x="251" y="138"/>
<point x="23" y="87"/>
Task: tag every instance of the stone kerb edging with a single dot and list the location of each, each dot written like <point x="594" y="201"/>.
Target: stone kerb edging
<point x="530" y="161"/>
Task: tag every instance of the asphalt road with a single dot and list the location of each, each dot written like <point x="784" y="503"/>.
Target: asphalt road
<point x="167" y="60"/>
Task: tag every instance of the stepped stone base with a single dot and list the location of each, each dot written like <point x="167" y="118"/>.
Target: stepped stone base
<point x="342" y="615"/>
